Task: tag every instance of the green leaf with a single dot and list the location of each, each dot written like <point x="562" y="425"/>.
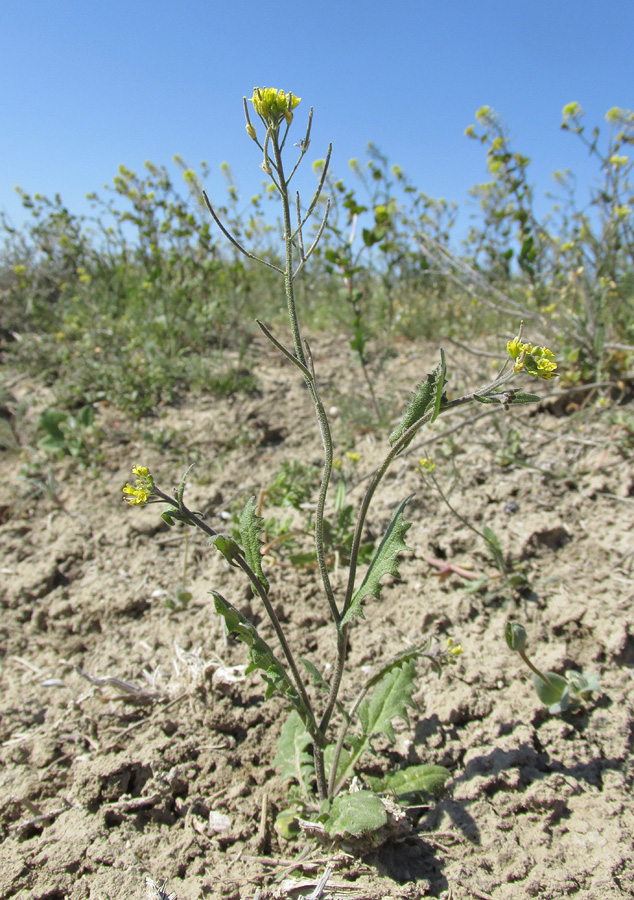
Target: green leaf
<point x="507" y="398"/>
<point x="389" y="700"/>
<point x="250" y="527"/>
<point x="172" y="515"/>
<point x="262" y="657"/>
<point x="315" y="674"/>
<point x="287" y="823"/>
<point x="411" y="653"/>
<point x="347" y="759"/>
<point x="55" y="439"/>
<point x="408" y="784"/>
<point x="384" y="563"/>
<point x="226" y="545"/>
<point x="523" y="397"/>
<point x="353" y="815"/>
<point x="86" y="416"/>
<point x="292" y="757"/>
<point x="8" y="440"/>
<point x="583" y="683"/>
<point x="491" y="537"/>
<point x="427" y="397"/>
<point x="554" y="693"/>
<point x="395" y="680"/>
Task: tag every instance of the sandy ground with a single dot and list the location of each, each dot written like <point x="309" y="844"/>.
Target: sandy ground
<point x="99" y="788"/>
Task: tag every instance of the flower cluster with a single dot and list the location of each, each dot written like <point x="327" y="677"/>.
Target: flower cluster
<point x="272" y="105"/>
<point x="537" y="361"/>
<point x="140" y="493"/>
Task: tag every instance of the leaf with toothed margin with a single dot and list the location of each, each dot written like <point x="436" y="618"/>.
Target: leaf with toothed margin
<point x="385" y="562"/>
<point x="250" y="528"/>
<point x="426" y="398"/>
<point x="355" y="815"/>
<point x="411" y="783"/>
<point x="389" y="700"/>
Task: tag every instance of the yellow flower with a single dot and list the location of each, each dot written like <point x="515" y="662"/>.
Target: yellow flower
<point x="272" y="105"/>
<point x="515" y="348"/>
<point x="454" y="649"/>
<point x="613" y="114"/>
<point x="571" y="109"/>
<point x="538" y="361"/>
<point x="353" y="457"/>
<point x="139" y="494"/>
<point x="546" y="368"/>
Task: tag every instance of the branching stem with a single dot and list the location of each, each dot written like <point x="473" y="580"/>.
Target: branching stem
<point x="259" y="588"/>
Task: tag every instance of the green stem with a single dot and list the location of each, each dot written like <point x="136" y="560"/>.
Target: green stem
<point x="333" y="787"/>
<point x="320" y="771"/>
<point x="535" y="670"/>
<point x="288" y="243"/>
<point x="320" y="548"/>
<point x="259" y="588"/>
<point x="335" y="682"/>
<point x="306" y="362"/>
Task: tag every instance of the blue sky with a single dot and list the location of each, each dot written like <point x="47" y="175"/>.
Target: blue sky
<point x="87" y="85"/>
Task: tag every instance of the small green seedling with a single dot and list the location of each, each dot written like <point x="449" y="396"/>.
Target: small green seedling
<point x="67" y="435"/>
<point x="558" y="692"/>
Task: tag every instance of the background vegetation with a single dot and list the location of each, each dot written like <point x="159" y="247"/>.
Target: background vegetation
<point x="144" y="299"/>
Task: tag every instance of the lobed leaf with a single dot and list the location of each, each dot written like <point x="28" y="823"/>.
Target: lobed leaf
<point x="315" y="674"/>
<point x="250" y="528"/>
<point x="411" y="653"/>
<point x="384" y="563"/>
<point x="427" y="397"/>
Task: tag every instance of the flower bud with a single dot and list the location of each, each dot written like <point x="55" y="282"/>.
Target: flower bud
<point x="515" y="635"/>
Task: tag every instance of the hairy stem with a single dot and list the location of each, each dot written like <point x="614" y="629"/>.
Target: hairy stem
<point x="306" y="361"/>
<point x="335" y="682"/>
<point x="259" y="588"/>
